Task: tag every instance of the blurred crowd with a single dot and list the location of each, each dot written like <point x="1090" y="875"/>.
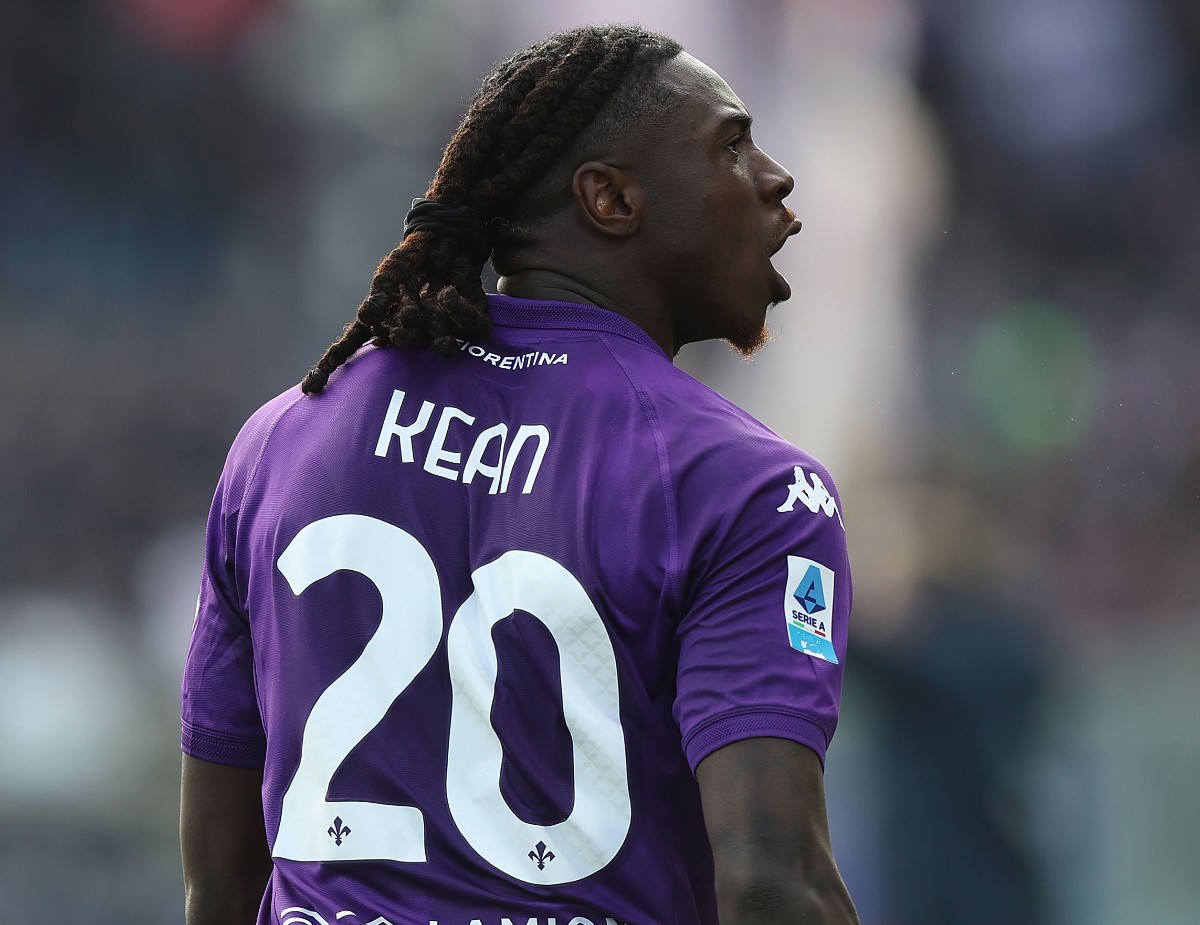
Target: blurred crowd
<point x="994" y="344"/>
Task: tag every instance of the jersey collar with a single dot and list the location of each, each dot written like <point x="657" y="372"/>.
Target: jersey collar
<point x="509" y="311"/>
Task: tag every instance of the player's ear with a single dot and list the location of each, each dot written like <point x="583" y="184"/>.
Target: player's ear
<point x="609" y="200"/>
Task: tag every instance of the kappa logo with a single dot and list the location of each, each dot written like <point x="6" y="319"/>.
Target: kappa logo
<point x="812" y="494"/>
<point x="808" y="608"/>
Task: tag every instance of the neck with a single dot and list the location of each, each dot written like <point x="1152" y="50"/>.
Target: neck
<point x="556" y="286"/>
<point x="553" y="286"/>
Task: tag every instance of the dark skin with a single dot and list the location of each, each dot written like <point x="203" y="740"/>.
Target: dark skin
<point x="674" y="228"/>
<point x="226" y="861"/>
<point x="764" y="808"/>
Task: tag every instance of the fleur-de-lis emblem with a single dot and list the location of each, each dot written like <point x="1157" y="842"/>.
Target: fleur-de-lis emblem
<point x="541" y="856"/>
<point x="337" y="831"/>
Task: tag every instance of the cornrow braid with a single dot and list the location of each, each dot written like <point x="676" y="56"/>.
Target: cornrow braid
<point x="529" y="110"/>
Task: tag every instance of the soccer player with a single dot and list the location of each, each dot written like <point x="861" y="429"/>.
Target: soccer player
<point x="504" y="619"/>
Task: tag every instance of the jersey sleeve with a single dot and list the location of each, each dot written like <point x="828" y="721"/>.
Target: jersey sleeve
<point x="762" y="640"/>
<point x="219" y="711"/>
<point x="218" y="707"/>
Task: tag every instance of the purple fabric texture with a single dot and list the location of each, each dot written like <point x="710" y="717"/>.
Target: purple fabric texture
<point x="504" y="604"/>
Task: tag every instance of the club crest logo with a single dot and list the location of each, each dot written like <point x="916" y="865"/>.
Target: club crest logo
<point x="808" y="608"/>
<point x="812" y="493"/>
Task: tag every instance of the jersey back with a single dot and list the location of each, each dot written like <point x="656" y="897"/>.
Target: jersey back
<point x="479" y="619"/>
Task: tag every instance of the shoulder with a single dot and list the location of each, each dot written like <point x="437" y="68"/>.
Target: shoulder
<point x="248" y="446"/>
<point x="730" y="478"/>
<point x="710" y="436"/>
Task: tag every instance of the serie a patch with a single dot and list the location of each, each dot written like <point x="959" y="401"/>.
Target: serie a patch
<point x="808" y="608"/>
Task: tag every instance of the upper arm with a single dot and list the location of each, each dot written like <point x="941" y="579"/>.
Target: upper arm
<point x="226" y="859"/>
<point x="762" y="645"/>
<point x="764" y="809"/>
<point x="763" y="635"/>
<point x="226" y="862"/>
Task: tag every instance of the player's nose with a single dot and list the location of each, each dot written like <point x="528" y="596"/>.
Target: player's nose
<point x="774" y="181"/>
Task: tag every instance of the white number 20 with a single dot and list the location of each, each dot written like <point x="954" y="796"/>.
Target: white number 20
<point x="409" y="632"/>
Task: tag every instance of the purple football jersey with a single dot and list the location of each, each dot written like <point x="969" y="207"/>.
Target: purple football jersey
<point x="479" y="619"/>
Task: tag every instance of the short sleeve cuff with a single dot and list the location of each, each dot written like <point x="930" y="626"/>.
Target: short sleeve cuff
<point x="724" y="729"/>
<point x="221" y="749"/>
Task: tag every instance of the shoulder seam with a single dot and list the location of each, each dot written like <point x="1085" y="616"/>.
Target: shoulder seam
<point x="664" y="471"/>
<point x="262" y="449"/>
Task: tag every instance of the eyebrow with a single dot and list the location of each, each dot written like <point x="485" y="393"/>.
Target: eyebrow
<point x="737" y="117"/>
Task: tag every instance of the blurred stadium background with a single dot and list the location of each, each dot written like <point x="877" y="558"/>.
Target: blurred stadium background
<point x="994" y="342"/>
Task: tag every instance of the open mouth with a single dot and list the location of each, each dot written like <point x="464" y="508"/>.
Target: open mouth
<point x="792" y="226"/>
<point x="782" y="289"/>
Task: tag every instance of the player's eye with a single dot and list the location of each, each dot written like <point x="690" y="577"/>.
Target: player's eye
<point x="735" y="144"/>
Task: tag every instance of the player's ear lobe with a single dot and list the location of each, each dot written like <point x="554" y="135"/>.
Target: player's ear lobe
<point x="609" y="200"/>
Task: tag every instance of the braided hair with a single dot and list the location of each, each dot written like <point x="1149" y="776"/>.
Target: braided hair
<point x="544" y="101"/>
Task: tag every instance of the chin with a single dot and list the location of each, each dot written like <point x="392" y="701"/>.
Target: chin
<point x="749" y="342"/>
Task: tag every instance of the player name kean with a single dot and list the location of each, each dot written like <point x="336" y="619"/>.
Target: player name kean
<point x="493" y="455"/>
